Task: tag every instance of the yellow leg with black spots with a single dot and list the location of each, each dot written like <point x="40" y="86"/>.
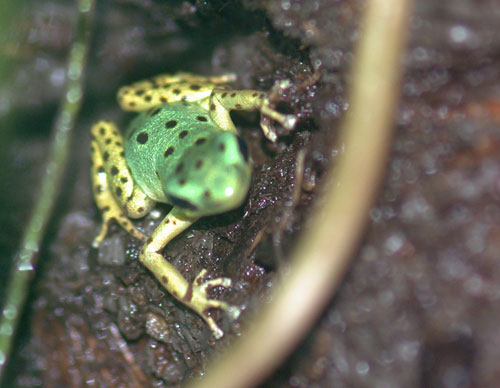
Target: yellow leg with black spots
<point x="223" y="101"/>
<point x="163" y="89"/>
<point x="195" y="294"/>
<point x="114" y="191"/>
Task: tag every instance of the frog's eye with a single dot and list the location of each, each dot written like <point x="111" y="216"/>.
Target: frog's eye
<point x="182" y="203"/>
<point x="243" y="148"/>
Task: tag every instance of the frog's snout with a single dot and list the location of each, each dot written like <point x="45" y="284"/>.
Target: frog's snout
<point x="229" y="189"/>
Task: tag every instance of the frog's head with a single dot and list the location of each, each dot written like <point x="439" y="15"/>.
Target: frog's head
<point x="212" y="176"/>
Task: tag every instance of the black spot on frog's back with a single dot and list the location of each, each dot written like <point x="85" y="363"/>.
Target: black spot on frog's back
<point x="142" y="137"/>
<point x="170" y="124"/>
<point x="169" y="151"/>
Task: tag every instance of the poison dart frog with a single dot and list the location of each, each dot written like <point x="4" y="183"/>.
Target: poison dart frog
<point x="184" y="150"/>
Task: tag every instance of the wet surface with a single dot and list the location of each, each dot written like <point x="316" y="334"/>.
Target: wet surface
<point x="418" y="308"/>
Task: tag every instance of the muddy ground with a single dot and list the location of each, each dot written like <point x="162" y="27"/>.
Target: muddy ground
<point x="420" y="304"/>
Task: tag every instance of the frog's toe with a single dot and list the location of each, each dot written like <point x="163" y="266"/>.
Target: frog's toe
<point x="289" y="122"/>
<point x="217" y="332"/>
<point x="97" y="241"/>
<point x="222" y="282"/>
<point x="207" y="304"/>
<point x="198" y="279"/>
<point x="102" y="234"/>
<point x="204" y="286"/>
<point x="231" y="310"/>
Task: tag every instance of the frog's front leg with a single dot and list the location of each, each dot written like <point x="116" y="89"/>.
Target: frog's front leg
<point x="222" y="101"/>
<point x="115" y="193"/>
<point x="193" y="295"/>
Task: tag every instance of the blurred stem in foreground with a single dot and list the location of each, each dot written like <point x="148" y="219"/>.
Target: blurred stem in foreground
<point x="325" y="251"/>
<point x="9" y="38"/>
<point x="26" y="257"/>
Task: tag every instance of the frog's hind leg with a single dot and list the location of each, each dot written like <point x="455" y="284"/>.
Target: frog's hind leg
<point x="162" y="89"/>
<point x="223" y="101"/>
<point x="114" y="192"/>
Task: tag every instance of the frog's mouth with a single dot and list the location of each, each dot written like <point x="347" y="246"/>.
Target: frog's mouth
<point x="182" y="203"/>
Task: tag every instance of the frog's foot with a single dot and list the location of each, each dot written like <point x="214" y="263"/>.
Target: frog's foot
<point x="110" y="210"/>
<point x="267" y="114"/>
<point x="197" y="298"/>
<point x="108" y="218"/>
<point x="222" y="101"/>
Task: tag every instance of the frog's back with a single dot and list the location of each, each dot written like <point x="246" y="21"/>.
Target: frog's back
<point x="159" y="138"/>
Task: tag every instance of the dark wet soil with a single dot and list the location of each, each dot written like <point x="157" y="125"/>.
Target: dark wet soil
<point x="418" y="308"/>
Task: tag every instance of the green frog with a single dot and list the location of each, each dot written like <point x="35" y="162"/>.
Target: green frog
<point x="184" y="150"/>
